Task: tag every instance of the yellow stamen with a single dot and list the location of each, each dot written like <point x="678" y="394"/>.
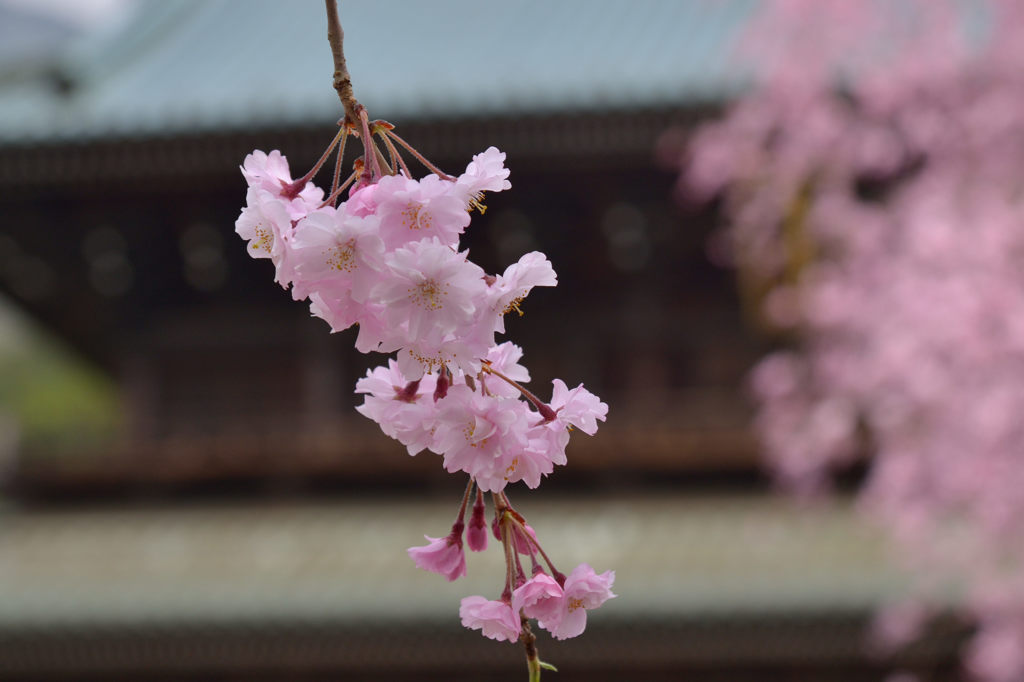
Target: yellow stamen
<point x="429" y="294"/>
<point x="342" y="257"/>
<point x="264" y="239"/>
<point x="477" y="202"/>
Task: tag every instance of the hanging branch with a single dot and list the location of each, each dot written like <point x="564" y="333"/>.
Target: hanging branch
<point x="342" y="80"/>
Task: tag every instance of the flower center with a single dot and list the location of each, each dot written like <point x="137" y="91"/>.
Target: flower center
<point x="429" y="294"/>
<point x="575" y="604"/>
<point x="415" y="218"/>
<point x="342" y="256"/>
<point x="264" y="239"/>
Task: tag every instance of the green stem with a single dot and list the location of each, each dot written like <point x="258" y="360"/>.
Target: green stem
<point x="534" y="667"/>
<point x="529" y="641"/>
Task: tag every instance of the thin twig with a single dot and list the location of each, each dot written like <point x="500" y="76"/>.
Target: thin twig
<point x="465" y="499"/>
<point x="395" y="155"/>
<point x="419" y="157"/>
<point x="341" y="188"/>
<point x="371" y="164"/>
<point x="342" y="80"/>
<point x="544" y="409"/>
<point x="337" y="163"/>
<point x="555" y="573"/>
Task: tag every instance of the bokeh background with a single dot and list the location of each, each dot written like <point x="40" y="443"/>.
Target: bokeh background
<point x="187" y="490"/>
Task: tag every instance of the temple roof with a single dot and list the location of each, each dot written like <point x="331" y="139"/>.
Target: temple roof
<point x="184" y="66"/>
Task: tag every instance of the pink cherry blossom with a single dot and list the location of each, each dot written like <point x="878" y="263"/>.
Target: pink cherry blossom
<point x="578" y="407"/>
<point x="388" y="261"/>
<point x="540" y="597"/>
<point x="430" y="287"/>
<point x="504" y="359"/>
<point x="486" y="172"/>
<point x="409" y="419"/>
<point x="509" y="289"/>
<point x="434" y="348"/>
<point x="337" y="308"/>
<point x="361" y="202"/>
<point x="889" y="251"/>
<point x="477" y="433"/>
<point x="269" y="172"/>
<point x="496" y="619"/>
<point x="267" y="226"/>
<point x="443" y="555"/>
<point x="547" y="441"/>
<point x="583" y="591"/>
<point x="335" y="250"/>
<point x="411" y="211"/>
<point x="266" y="171"/>
<point x="530" y="464"/>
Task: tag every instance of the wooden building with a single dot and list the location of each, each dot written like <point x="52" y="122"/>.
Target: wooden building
<point x="120" y="191"/>
<point x="119" y="187"/>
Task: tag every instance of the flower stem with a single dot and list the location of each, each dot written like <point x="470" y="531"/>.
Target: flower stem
<point x="465" y="499"/>
<point x="370" y="152"/>
<point x="292" y="190"/>
<point x="555" y="573"/>
<point x="506" y="541"/>
<point x="419" y="157"/>
<point x="529" y="641"/>
<point x="337" y="192"/>
<point x="337" y="162"/>
<point x="544" y="410"/>
<point x="394" y="154"/>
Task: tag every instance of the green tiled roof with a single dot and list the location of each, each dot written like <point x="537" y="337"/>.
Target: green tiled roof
<point x="191" y="65"/>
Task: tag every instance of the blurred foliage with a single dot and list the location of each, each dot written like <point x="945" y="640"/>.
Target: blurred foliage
<point x="56" y="403"/>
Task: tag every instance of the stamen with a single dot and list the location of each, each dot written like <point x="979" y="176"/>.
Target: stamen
<point x="477" y="202"/>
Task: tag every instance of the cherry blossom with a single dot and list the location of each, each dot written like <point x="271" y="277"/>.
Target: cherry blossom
<point x="266" y="225"/>
<point x="540" y="597"/>
<point x="486" y="172"/>
<point x="387" y="260"/>
<point x="495" y="619"/>
<point x="335" y="251"/>
<point x="871" y="187"/>
<point x="411" y="211"/>
<point x="403" y="413"/>
<point x="269" y="173"/>
<point x="479" y="434"/>
<point x="510" y="288"/>
<point x="442" y="555"/>
<point x="583" y="590"/>
<point x="577" y="407"/>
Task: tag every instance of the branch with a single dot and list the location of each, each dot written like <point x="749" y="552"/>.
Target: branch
<point x="342" y="81"/>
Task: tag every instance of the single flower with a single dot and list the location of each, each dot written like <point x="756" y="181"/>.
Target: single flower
<point x="495" y="619"/>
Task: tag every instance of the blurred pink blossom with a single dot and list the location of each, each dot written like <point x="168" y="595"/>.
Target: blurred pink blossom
<point x="871" y="184"/>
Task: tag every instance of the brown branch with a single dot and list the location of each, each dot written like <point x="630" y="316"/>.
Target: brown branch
<point x="342" y="81"/>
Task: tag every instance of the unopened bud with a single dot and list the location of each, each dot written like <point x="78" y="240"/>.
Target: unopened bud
<point x="444" y="378"/>
<point x="476" y="537"/>
<point x="408" y="394"/>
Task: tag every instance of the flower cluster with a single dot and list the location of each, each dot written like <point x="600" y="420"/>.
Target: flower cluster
<point x="883" y="225"/>
<point x="558" y="604"/>
<point x="387" y="259"/>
